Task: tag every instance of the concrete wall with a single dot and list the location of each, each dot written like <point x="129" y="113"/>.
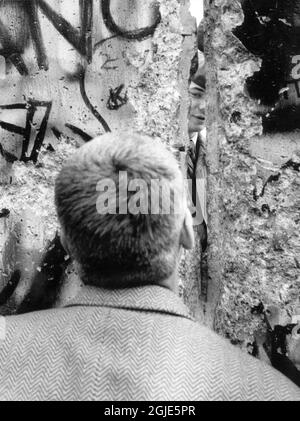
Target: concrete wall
<point x="253" y="179"/>
<point x="71" y="70"/>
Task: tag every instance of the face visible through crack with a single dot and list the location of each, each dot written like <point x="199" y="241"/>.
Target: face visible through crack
<point x="197" y="108"/>
<point x="197" y="96"/>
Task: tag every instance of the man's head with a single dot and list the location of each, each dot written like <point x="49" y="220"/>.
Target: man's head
<point x="115" y="248"/>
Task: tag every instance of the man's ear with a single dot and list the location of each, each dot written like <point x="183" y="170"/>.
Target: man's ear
<point x="187" y="238"/>
<point x="64" y="242"/>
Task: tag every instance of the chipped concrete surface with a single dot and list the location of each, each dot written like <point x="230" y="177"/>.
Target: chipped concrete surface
<point x="254" y="206"/>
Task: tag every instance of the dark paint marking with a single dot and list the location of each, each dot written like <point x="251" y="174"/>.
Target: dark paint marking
<point x="136" y="34"/>
<point x="116" y="100"/>
<point x="266" y="209"/>
<point x="47" y="283"/>
<point x="56" y="133"/>
<point x="255" y="349"/>
<point x="259" y="309"/>
<point x="85" y="136"/>
<point x="89" y="104"/>
<point x="282" y="120"/>
<point x="31" y="108"/>
<point x="291" y="164"/>
<point x="12" y="128"/>
<point x="270" y="31"/>
<point x="10" y="288"/>
<point x="36" y="35"/>
<point x="10" y="51"/>
<point x="279" y="359"/>
<point x="275" y="346"/>
<point x="14" y="107"/>
<point x="272" y="178"/>
<point x="270" y="40"/>
<point x="4" y="213"/>
<point x="86" y="18"/>
<point x="286" y="367"/>
<point x="81" y="40"/>
<point x="107" y="61"/>
<point x="42" y="130"/>
<point x="50" y="148"/>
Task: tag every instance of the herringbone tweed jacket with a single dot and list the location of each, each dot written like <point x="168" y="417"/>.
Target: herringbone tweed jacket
<point x="131" y="344"/>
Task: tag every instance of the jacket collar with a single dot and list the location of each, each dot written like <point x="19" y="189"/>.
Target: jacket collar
<point x="147" y="298"/>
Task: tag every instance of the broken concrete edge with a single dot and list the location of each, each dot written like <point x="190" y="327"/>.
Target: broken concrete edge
<point x="215" y="135"/>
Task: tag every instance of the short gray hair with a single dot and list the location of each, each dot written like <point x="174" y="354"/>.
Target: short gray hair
<point x="119" y="250"/>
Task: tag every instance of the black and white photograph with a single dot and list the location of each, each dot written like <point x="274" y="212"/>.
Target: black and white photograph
<point x="149" y="203"/>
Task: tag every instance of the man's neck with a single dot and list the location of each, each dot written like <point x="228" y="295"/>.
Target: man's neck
<point x="171" y="282"/>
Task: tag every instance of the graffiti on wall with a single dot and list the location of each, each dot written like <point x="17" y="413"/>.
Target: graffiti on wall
<point x="67" y="67"/>
<point x="30" y="108"/>
<point x="25" y="31"/>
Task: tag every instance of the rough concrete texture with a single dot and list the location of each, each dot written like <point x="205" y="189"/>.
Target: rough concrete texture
<point x="253" y="196"/>
<point x="71" y="70"/>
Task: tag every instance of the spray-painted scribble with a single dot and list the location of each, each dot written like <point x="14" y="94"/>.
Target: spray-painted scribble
<point x="137" y="34"/>
<point x="12" y="49"/>
<point x="116" y="99"/>
<point x="31" y="108"/>
<point x="25" y="29"/>
<point x="90" y="105"/>
<point x="4" y="213"/>
<point x="80" y="39"/>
